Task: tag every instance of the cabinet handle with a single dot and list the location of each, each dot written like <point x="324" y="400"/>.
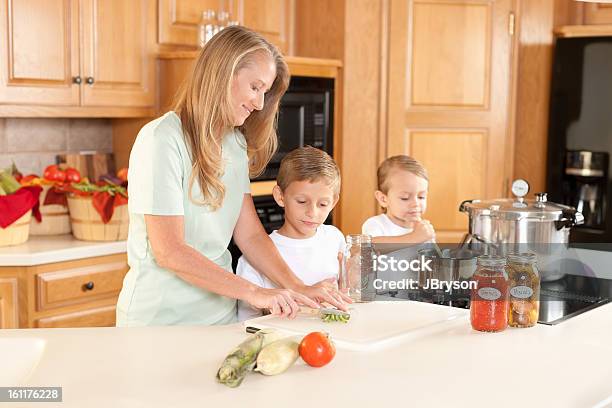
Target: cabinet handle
<point x="77" y="79"/>
<point x="89" y="80"/>
<point x="88" y="286"/>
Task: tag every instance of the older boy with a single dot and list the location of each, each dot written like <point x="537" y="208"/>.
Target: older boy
<point x="308" y="187"/>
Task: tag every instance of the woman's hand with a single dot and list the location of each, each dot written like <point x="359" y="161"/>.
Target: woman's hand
<point x="280" y="302"/>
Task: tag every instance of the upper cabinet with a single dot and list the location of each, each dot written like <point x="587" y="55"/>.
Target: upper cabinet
<point x="118" y="64"/>
<point x="40" y="50"/>
<point x="598" y="13"/>
<point x="268" y="17"/>
<point x="178" y="19"/>
<point x="77" y="58"/>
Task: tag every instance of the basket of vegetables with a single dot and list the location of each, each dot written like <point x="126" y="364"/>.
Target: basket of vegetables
<point x="17" y="204"/>
<point x="53" y="202"/>
<point x="98" y="212"/>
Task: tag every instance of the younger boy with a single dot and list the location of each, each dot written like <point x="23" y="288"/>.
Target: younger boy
<point x="308" y="187"/>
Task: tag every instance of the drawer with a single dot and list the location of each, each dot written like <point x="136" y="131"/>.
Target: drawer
<point x="79" y="285"/>
<point x="100" y="317"/>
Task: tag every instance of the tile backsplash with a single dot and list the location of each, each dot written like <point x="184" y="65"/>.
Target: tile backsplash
<point x="33" y="143"/>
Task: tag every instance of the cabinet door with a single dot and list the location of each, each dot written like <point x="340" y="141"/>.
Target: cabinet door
<point x="98" y="317"/>
<point x="39" y="52"/>
<point x="268" y="17"/>
<point x="449" y="98"/>
<point x="598" y="13"/>
<point x="178" y="20"/>
<point x="118" y="53"/>
<point x="8" y="303"/>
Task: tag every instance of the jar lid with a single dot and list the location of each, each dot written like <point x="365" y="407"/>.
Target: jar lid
<point x="522" y="258"/>
<point x="491" y="260"/>
<point x="518" y="208"/>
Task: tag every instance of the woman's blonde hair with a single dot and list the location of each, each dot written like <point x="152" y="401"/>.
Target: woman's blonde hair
<point x="204" y="106"/>
<point x="309" y="164"/>
<point x="401" y="162"/>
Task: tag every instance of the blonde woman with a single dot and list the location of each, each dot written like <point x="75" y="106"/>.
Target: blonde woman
<point x="190" y="193"/>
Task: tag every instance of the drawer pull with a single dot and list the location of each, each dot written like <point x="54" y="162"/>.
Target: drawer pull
<point x="88" y="286"/>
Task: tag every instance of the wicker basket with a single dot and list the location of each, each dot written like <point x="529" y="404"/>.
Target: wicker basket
<point x="16" y="233"/>
<point x="88" y="226"/>
<point x="55" y="218"/>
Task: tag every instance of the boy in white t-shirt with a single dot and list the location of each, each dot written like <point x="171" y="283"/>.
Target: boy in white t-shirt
<point x="402" y="193"/>
<point x="308" y="187"/>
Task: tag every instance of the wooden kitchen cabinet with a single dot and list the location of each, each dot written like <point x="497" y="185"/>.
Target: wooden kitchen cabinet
<point x="178" y="19"/>
<point x="39" y="64"/>
<point x="598" y="13"/>
<point x="269" y="17"/>
<point x="8" y="303"/>
<point x="449" y="100"/>
<point x="98" y="317"/>
<point x="84" y="58"/>
<point x="78" y="293"/>
<point x="118" y="53"/>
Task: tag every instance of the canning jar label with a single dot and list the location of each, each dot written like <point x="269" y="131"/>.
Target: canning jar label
<point x="521" y="292"/>
<point x="489" y="293"/>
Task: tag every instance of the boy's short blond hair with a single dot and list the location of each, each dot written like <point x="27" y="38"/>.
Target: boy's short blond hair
<point x="399" y="162"/>
<point x="309" y="164"/>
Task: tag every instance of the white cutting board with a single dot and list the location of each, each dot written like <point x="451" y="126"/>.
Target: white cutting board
<point x="373" y="325"/>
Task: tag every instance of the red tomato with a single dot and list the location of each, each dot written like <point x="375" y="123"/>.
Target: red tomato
<point x="122" y="174"/>
<point x="50" y="172"/>
<point x="72" y="175"/>
<point x="53" y="173"/>
<point x="60" y="176"/>
<point x="316" y="349"/>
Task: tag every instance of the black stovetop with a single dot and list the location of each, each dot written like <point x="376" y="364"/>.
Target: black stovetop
<point x="571" y="296"/>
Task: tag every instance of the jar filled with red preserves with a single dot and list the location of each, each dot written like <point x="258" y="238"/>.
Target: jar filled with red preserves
<point x="524" y="287"/>
<point x="489" y="298"/>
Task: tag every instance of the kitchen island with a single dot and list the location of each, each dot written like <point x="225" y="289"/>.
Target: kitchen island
<point x="568" y="365"/>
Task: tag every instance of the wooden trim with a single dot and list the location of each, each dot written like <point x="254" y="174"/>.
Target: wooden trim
<point x="383" y="96"/>
<point x="10" y="303"/>
<point x="337" y="139"/>
<point x="289" y="59"/>
<point x="260" y="188"/>
<point x="299" y="66"/>
<point x="37" y="111"/>
<point x="512" y="98"/>
<point x="574" y="31"/>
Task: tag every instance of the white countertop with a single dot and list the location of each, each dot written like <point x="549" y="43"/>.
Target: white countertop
<point x="568" y="365"/>
<point x="56" y="248"/>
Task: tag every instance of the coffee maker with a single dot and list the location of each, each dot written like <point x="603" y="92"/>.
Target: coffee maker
<point x="585" y="178"/>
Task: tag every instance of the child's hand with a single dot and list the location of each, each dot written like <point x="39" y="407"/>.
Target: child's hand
<point x="329" y="283"/>
<point x="423" y="231"/>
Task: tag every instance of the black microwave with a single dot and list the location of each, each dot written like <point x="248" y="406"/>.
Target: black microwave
<point x="305" y="118"/>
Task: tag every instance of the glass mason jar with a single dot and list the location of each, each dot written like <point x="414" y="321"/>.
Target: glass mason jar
<point x="524" y="286"/>
<point x="222" y="20"/>
<point x="358" y="268"/>
<point x="206" y="27"/>
<point x="489" y="298"/>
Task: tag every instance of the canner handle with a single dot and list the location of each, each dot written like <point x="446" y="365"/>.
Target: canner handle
<point x="462" y="207"/>
<point x="570" y="217"/>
